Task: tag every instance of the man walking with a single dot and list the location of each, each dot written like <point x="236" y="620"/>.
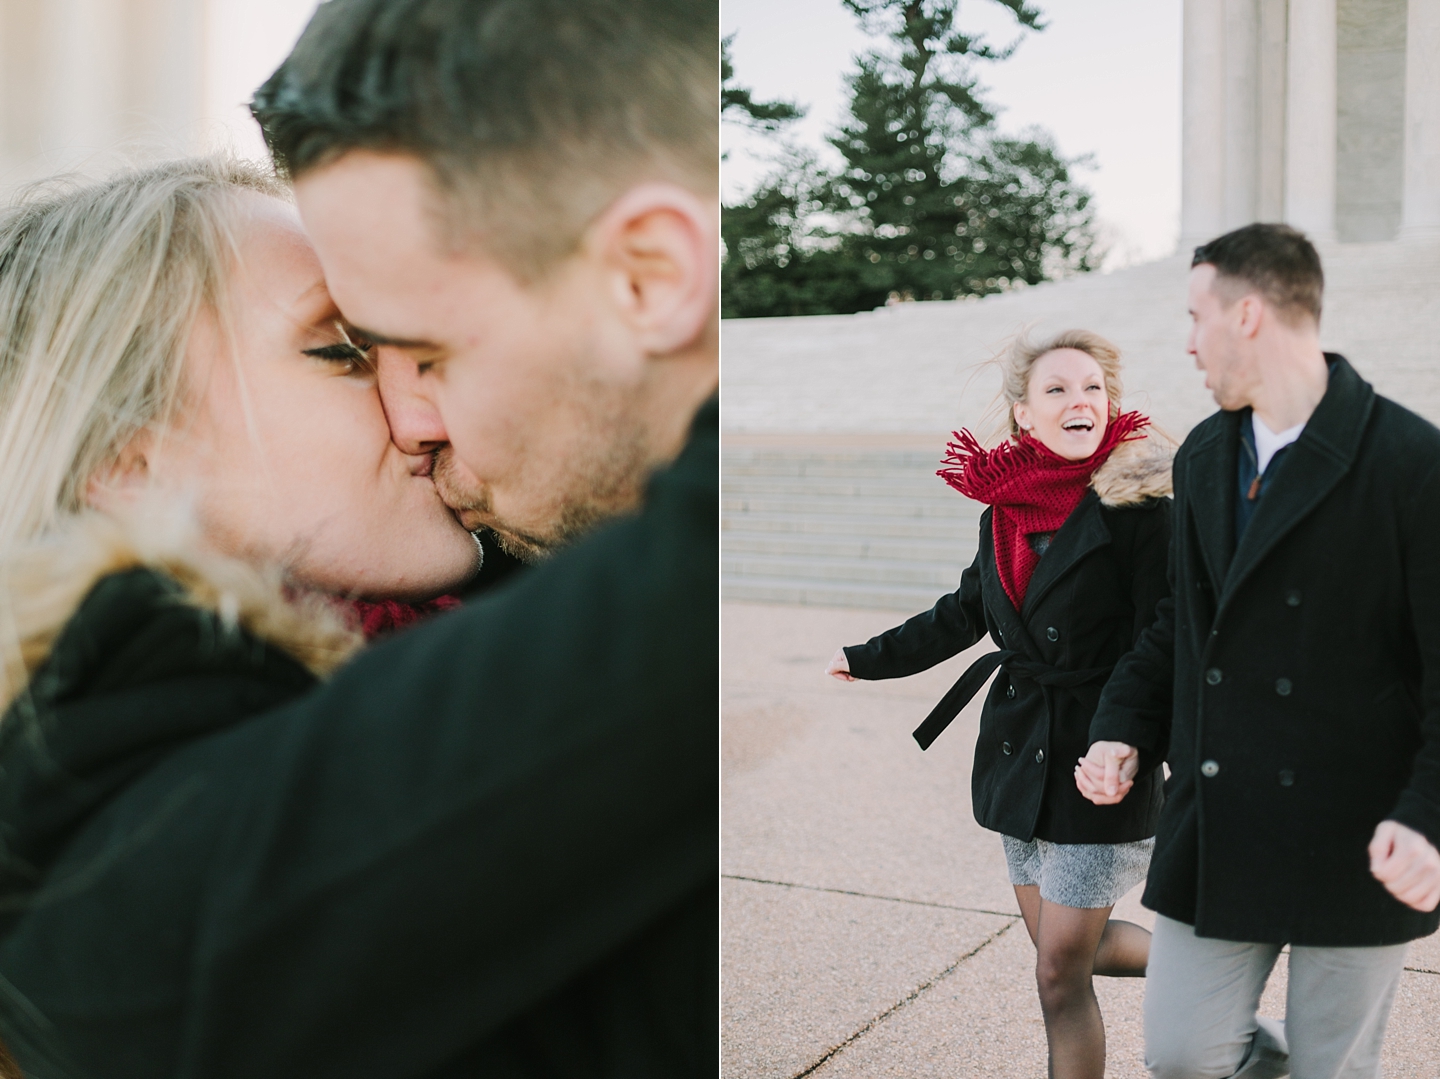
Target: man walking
<point x="1293" y="685"/>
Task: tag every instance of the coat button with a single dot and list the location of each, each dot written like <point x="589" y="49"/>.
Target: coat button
<point x="1010" y="692"/>
<point x="1292" y="597"/>
<point x="1052" y="633"/>
<point x="1283" y="687"/>
<point x="1006" y="748"/>
<point x="1039" y="756"/>
<point x="1210" y="769"/>
<point x="1213" y="676"/>
<point x="1287" y="778"/>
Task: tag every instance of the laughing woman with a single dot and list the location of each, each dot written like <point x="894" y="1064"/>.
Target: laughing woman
<point x="1070" y="567"/>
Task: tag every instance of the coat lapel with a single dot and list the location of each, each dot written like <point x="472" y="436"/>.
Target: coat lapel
<point x="1309" y="470"/>
<point x="1210" y="483"/>
<point x="1013" y="633"/>
<point x="1083" y="531"/>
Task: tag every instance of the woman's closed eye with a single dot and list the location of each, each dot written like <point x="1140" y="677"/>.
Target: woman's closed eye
<point x="354" y="354"/>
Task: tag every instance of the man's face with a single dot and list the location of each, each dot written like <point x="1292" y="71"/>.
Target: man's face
<point x="1215" y="341"/>
<point x="525" y="393"/>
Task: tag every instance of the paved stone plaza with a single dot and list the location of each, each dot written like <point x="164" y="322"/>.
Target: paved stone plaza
<point x="869" y="930"/>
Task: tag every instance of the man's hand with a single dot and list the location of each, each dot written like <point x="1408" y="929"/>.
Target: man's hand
<point x="1106" y="774"/>
<point x="840" y="667"/>
<point x="1407" y="864"/>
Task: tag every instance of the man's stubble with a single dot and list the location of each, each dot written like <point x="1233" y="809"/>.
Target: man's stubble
<point x="603" y="479"/>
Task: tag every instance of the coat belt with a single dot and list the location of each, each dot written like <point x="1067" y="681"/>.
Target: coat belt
<point x="1084" y="685"/>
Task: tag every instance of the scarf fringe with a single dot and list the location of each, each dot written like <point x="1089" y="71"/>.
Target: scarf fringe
<point x="973" y="470"/>
<point x="1031" y="489"/>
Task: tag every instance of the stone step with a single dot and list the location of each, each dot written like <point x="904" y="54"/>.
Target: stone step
<point x="954" y="529"/>
<point x="856" y="547"/>
<point x="942" y="576"/>
<point x="840" y="468"/>
<point x="828" y="594"/>
<point x="898" y="485"/>
<point x="863" y="508"/>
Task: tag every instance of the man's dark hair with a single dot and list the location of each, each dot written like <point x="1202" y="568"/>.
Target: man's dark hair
<point x="1274" y="260"/>
<point x="532" y="115"/>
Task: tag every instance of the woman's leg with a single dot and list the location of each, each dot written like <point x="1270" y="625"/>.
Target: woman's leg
<point x="1066" y="947"/>
<point x="1124" y="950"/>
<point x="1028" y="896"/>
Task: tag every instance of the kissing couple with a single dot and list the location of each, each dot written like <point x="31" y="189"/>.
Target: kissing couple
<point x="249" y="418"/>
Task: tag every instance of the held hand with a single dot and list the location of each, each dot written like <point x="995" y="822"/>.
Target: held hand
<point x="840" y="667"/>
<point x="1106" y="774"/>
<point x="1407" y="864"/>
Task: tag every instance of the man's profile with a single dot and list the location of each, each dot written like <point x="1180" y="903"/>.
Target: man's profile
<point x="515" y="202"/>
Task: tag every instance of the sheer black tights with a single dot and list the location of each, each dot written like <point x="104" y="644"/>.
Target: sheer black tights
<point x="1071" y="946"/>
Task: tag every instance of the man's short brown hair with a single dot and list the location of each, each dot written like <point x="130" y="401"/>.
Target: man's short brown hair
<point x="532" y="115"/>
<point x="1276" y="261"/>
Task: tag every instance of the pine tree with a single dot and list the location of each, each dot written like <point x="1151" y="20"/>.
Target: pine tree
<point x="938" y="204"/>
<point x="931" y="203"/>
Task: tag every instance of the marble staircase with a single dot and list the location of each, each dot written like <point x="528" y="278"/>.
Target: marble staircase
<point x="833" y="426"/>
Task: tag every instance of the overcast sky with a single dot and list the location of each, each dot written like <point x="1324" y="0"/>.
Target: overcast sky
<point x="1103" y="78"/>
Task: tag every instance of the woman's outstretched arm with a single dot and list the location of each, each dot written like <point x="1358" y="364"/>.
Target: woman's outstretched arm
<point x="955" y="623"/>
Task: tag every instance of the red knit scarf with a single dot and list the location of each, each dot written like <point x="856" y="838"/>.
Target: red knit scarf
<point x="1031" y="488"/>
<point x="387" y="615"/>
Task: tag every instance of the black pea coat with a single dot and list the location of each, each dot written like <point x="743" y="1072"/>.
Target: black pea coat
<point x="487" y="846"/>
<point x="1094" y="591"/>
<point x="1296" y="679"/>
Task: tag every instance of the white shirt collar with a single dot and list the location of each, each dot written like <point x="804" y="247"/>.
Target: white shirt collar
<point x="1268" y="443"/>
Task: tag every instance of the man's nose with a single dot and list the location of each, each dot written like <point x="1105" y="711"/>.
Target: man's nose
<point x="415" y="424"/>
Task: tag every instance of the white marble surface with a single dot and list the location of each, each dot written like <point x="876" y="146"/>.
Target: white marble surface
<point x="919" y="368"/>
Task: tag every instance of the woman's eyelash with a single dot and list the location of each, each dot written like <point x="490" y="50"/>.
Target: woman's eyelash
<point x="344" y="351"/>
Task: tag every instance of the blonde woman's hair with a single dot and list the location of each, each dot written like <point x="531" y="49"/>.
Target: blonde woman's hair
<point x="1019" y="356"/>
<point x="100" y="285"/>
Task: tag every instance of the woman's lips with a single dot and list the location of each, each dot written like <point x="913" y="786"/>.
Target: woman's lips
<point x="422" y="465"/>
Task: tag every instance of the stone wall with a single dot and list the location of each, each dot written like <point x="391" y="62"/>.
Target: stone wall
<point x="1370" y="121"/>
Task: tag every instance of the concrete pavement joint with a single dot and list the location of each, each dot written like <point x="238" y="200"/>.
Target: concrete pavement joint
<point x="871" y="895"/>
<point x="915" y="994"/>
<point x="1422" y="970"/>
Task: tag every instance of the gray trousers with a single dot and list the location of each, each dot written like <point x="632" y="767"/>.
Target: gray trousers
<point x="1201" y="997"/>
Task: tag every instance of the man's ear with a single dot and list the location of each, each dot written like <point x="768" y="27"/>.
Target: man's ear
<point x="124" y="477"/>
<point x="659" y="247"/>
<point x="1250" y="314"/>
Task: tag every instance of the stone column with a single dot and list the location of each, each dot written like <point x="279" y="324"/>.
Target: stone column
<point x="1270" y="178"/>
<point x="1420" y="200"/>
<point x="1242" y="111"/>
<point x="1202" y="157"/>
<point x="1310" y="118"/>
<point x="85" y="84"/>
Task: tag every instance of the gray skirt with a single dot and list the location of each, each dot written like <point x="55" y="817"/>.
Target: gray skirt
<point x="1084" y="875"/>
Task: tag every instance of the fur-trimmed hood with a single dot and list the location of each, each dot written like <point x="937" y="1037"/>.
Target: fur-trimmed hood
<point x="1136" y="470"/>
<point x="44" y="585"/>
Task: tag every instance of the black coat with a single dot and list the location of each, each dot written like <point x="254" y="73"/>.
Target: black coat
<point x="1296" y="679"/>
<point x="486" y="847"/>
<point x="1094" y="591"/>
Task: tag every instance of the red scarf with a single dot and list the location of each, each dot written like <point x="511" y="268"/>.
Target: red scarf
<point x="388" y="615"/>
<point x="1031" y="488"/>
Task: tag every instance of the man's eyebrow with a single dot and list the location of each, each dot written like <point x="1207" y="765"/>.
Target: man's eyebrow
<point x="393" y="342"/>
